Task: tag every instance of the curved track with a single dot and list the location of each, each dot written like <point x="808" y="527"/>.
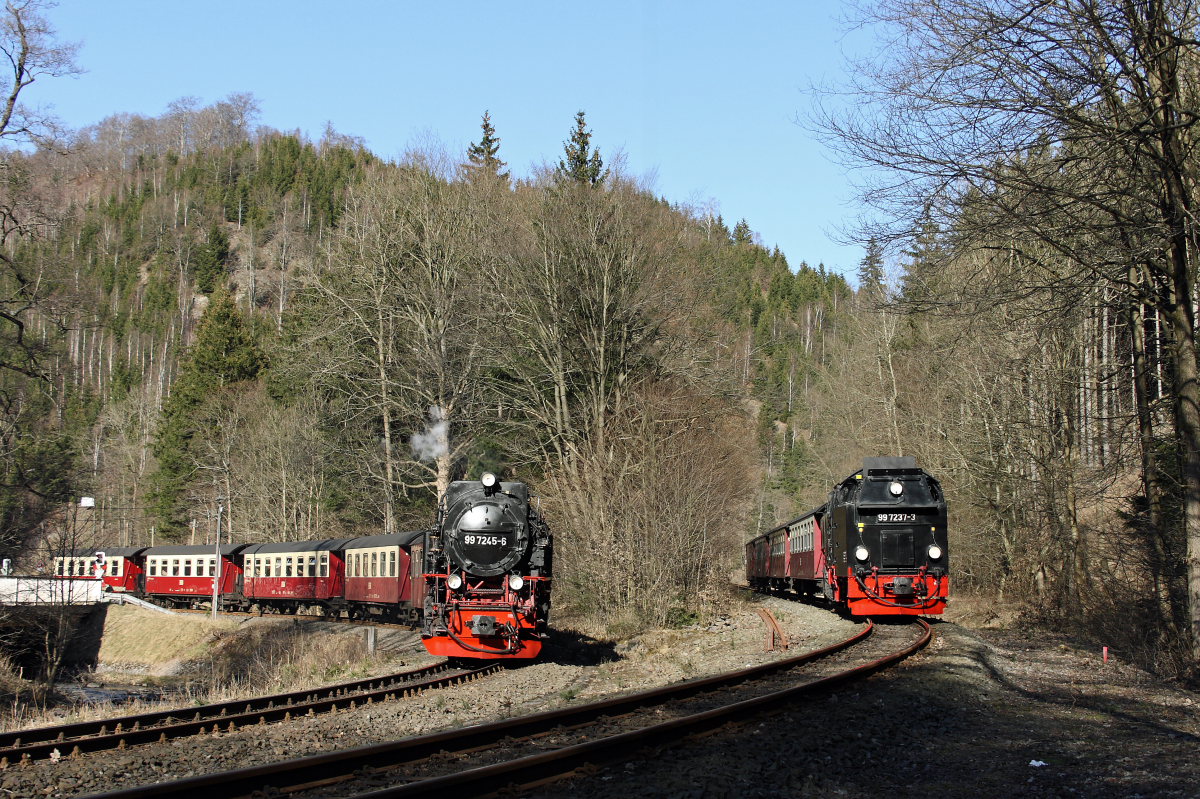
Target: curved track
<point x="479" y="759"/>
<point x="123" y="731"/>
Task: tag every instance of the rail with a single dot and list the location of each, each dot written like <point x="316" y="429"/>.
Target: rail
<point x="332" y="767"/>
<point x="123" y="731"/>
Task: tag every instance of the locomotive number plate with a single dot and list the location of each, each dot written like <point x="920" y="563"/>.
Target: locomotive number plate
<point x="485" y="540"/>
<point x="896" y="517"/>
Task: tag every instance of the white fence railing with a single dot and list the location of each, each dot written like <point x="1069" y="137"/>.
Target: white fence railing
<point x="49" y="591"/>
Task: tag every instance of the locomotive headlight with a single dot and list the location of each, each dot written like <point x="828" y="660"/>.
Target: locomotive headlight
<point x="488" y="480"/>
<point x="454" y="581"/>
<point x="895" y="488"/>
<point x="862" y="554"/>
<point x="935" y="552"/>
<point x="515" y="582"/>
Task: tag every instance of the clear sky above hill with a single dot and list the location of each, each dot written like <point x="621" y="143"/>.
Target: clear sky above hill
<point x="702" y="98"/>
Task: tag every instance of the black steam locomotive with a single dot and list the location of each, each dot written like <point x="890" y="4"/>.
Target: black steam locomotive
<point x="488" y="562"/>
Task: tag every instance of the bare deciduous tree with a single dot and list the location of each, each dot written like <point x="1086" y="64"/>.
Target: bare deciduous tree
<point x="1057" y="139"/>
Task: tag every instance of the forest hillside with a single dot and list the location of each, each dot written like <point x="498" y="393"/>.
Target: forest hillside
<point x="207" y="320"/>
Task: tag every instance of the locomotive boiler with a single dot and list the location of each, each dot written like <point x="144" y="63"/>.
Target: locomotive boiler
<point x="488" y="562"/>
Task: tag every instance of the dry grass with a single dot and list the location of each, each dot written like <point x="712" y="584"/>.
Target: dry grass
<point x="137" y="639"/>
<point x="207" y="661"/>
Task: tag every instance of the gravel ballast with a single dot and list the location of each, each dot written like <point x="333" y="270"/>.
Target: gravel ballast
<point x="988" y="712"/>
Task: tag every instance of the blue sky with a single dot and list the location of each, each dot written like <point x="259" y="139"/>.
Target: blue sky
<point x="701" y="97"/>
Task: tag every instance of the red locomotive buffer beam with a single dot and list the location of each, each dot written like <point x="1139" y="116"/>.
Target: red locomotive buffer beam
<point x="875" y="594"/>
<point x="485" y="620"/>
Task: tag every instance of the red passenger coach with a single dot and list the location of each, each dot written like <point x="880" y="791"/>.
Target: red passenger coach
<point x="380" y="575"/>
<point x="123" y="571"/>
<point x="183" y="576"/>
<point x="119" y="568"/>
<point x="285" y="576"/>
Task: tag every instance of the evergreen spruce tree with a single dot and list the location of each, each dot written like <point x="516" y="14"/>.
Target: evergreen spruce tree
<point x="482" y="157"/>
<point x="582" y="164"/>
<point x="742" y="234"/>
<point x="870" y="271"/>
<point x="211" y="259"/>
<point x="921" y="265"/>
<point x="224" y="354"/>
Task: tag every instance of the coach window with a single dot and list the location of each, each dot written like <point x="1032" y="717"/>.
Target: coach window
<point x="392" y="568"/>
<point x="116" y="567"/>
<point x="323" y="568"/>
<point x="267" y="572"/>
<point x="212" y="567"/>
<point x="287" y="567"/>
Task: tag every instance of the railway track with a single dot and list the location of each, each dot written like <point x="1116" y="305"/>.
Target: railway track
<point x="125" y="731"/>
<point x="532" y="750"/>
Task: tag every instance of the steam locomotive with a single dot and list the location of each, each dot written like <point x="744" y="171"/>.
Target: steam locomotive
<point x="488" y="563"/>
<point x="877" y="547"/>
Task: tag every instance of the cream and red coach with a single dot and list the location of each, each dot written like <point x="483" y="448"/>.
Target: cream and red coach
<point x="289" y="576"/>
<point x="183" y="576"/>
<point x="119" y="568"/>
<point x="381" y="575"/>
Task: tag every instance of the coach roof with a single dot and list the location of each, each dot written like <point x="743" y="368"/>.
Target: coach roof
<point x="323" y="545"/>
